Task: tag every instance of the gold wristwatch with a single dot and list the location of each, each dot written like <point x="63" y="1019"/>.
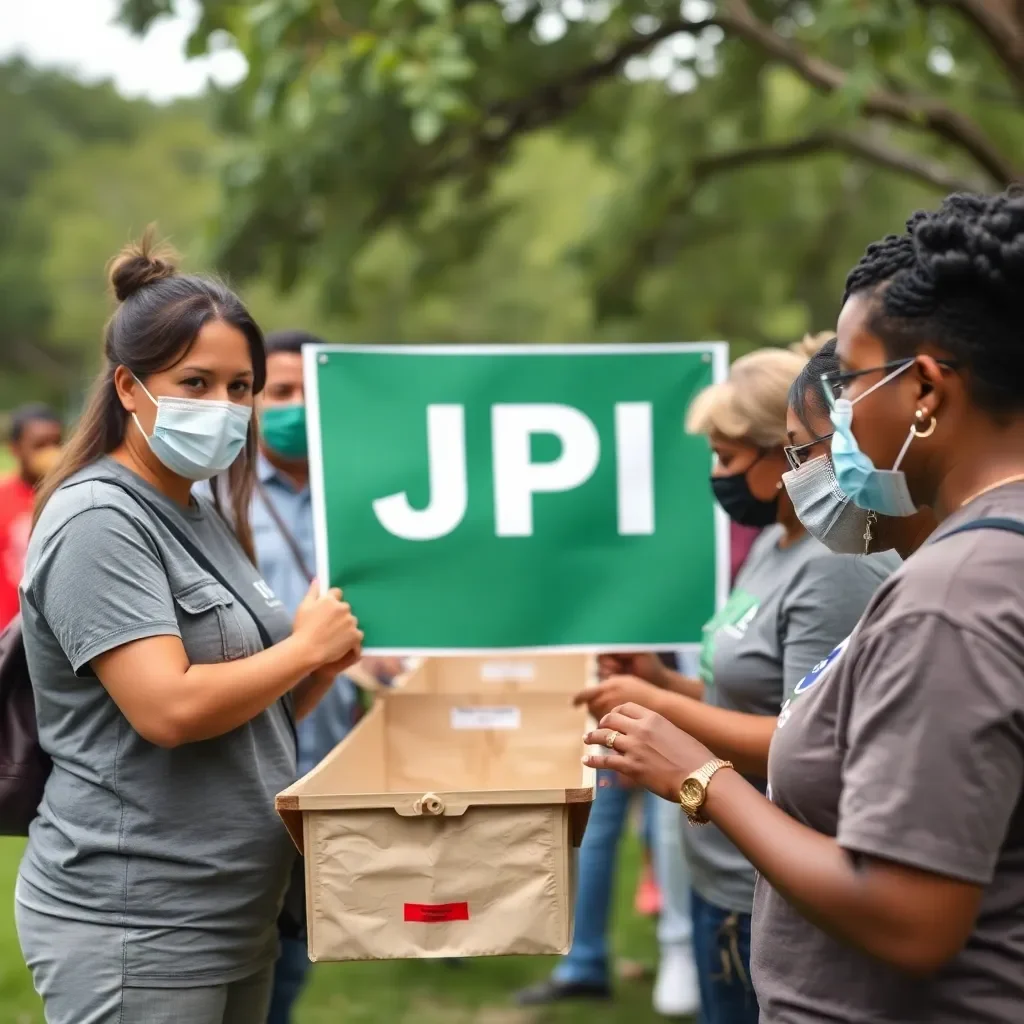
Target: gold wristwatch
<point x="694" y="790"/>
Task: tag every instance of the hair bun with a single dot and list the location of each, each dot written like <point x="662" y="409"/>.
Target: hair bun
<point x="141" y="263"/>
<point x="810" y="344"/>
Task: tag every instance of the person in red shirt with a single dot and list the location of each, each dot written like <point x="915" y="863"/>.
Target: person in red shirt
<point x="36" y="435"/>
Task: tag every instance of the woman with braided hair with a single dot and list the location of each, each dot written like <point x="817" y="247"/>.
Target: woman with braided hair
<point x="891" y="848"/>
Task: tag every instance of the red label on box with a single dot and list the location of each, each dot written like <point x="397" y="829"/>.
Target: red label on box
<point x="436" y="913"/>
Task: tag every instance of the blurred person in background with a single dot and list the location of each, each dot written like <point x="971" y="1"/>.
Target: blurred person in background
<point x="36" y="435"/>
<point x="282" y="526"/>
<point x="792" y="603"/>
<point x="741" y="540"/>
<point x="890" y="852"/>
<point x="676" y="990"/>
<point x="167" y="676"/>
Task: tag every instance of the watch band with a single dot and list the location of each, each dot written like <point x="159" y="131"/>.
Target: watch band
<point x="704" y="775"/>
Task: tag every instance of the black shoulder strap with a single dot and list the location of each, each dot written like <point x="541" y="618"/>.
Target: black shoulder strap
<point x="1009" y="525"/>
<point x="204" y="563"/>
<point x="286" y="535"/>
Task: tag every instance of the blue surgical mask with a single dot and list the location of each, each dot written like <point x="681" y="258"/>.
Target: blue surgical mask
<point x="197" y="438"/>
<point x="884" y="491"/>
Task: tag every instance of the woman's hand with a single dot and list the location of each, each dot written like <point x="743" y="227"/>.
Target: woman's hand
<point x="647" y="749"/>
<point x="618" y="690"/>
<point x="335" y="668"/>
<point x="642" y="664"/>
<point x="326" y="627"/>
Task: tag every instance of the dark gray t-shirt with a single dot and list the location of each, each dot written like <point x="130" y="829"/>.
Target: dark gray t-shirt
<point x="788" y="609"/>
<point x="179" y="851"/>
<point x="910" y="747"/>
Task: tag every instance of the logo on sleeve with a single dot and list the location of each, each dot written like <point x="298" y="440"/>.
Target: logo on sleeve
<point x="810" y="680"/>
<point x="733" y="620"/>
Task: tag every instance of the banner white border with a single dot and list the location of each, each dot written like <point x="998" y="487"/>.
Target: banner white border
<point x="719" y="352"/>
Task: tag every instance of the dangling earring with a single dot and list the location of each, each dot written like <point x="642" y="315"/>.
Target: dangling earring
<point x="921" y="431"/>
<point x="872" y="518"/>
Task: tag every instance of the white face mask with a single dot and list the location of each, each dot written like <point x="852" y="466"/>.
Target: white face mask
<point x="197" y="438"/>
<point x="826" y="512"/>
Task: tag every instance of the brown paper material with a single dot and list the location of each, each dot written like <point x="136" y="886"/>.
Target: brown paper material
<point x="443" y="826"/>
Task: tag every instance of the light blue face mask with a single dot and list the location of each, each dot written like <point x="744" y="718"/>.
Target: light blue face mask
<point x="197" y="438"/>
<point x="884" y="491"/>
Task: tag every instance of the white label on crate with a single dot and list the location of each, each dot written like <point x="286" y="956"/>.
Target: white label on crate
<point x="485" y="718"/>
<point x="508" y="671"/>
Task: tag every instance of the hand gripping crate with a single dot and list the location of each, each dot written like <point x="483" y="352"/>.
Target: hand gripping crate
<point x="444" y="826"/>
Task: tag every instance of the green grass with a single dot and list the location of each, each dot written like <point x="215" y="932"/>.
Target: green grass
<point x="400" y="992"/>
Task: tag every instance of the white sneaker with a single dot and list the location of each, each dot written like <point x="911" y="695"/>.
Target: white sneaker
<point x="676" y="993"/>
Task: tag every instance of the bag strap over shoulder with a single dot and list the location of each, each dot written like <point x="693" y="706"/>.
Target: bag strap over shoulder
<point x="204" y="563"/>
<point x="282" y="527"/>
<point x="994" y="523"/>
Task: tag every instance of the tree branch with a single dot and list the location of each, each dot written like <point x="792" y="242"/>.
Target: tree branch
<point x="652" y="240"/>
<point x="1001" y="25"/>
<point x="37" y="357"/>
<point x="919" y="112"/>
<point x="506" y="120"/>
<point x="557" y="98"/>
<point x="928" y="172"/>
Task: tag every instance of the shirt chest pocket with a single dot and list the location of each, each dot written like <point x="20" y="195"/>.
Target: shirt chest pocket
<point x="214" y="628"/>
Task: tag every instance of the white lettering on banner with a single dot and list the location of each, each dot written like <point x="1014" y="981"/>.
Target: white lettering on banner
<point x="508" y="671"/>
<point x="485" y="718"/>
<point x="517" y="479"/>
<point x="634" y="450"/>
<point x="449" y="486"/>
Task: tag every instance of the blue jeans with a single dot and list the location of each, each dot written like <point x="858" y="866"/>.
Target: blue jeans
<point x="587" y="961"/>
<point x="721" y="948"/>
<point x="289" y="976"/>
<point x="675" y="925"/>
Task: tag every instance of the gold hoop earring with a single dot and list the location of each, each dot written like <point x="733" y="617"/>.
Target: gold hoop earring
<point x="920" y="431"/>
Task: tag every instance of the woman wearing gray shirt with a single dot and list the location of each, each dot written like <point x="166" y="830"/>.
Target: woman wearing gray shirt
<point x="792" y="603"/>
<point x="155" y="870"/>
<point x="891" y="853"/>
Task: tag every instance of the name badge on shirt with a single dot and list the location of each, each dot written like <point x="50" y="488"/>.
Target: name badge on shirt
<point x="263" y="589"/>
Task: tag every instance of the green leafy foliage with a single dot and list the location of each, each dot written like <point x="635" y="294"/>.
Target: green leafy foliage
<point x="754" y="146"/>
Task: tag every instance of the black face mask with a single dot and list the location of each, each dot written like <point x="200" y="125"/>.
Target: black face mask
<point x="733" y="494"/>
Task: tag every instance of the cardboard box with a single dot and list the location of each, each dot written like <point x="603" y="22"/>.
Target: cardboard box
<point x="548" y="673"/>
<point x="444" y="826"/>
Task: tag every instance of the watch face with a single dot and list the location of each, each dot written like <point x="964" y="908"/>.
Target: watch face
<point x="691" y="793"/>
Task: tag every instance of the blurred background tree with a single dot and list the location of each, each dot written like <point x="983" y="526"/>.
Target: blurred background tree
<point x="741" y="153"/>
<point x="508" y="170"/>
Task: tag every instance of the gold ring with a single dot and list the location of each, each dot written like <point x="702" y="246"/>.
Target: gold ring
<point x="610" y="740"/>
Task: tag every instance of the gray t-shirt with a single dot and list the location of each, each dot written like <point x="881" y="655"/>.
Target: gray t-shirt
<point x="179" y="851"/>
<point x="911" y="748"/>
<point x="789" y="608"/>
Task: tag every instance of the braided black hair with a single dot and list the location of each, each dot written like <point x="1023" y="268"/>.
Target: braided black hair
<point x="806" y="396"/>
<point x="956" y="280"/>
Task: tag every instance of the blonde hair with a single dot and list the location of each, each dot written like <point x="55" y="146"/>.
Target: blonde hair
<point x="750" y="405"/>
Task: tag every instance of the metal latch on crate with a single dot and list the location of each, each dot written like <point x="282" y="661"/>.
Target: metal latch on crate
<point x="431" y="805"/>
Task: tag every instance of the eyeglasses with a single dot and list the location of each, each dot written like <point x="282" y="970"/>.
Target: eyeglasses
<point x="798" y="454"/>
<point x="834" y="384"/>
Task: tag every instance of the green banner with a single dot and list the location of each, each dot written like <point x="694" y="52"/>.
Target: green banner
<point x="510" y="498"/>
